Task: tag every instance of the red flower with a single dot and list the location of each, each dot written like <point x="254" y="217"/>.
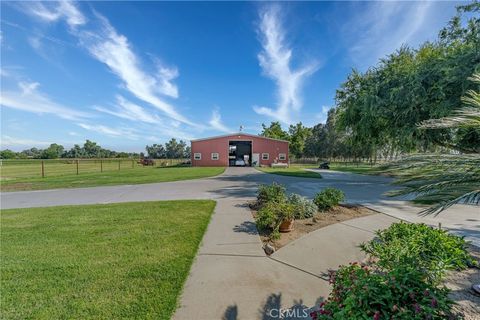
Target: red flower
<point x="376" y="316"/>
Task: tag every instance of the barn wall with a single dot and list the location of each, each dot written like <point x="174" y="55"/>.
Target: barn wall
<point x="259" y="145"/>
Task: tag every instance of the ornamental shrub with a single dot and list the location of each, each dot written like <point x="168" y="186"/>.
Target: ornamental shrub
<point x="270" y="193"/>
<point x="401" y="293"/>
<point x="272" y="214"/>
<point x="304" y="208"/>
<point x="328" y="198"/>
<point x="432" y="251"/>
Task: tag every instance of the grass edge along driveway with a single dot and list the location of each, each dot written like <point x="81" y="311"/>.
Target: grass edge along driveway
<point x="127" y="260"/>
<point x="111" y="178"/>
<point x="293" y="171"/>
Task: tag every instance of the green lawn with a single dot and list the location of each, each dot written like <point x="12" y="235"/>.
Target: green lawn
<point x="354" y="168"/>
<point x="293" y="171"/>
<point x="127" y="176"/>
<point x="125" y="260"/>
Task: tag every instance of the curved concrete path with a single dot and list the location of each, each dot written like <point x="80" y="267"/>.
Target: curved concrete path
<point x="238" y="183"/>
<point x="231" y="277"/>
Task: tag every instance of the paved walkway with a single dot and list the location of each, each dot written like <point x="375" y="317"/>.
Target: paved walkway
<point x="231" y="277"/>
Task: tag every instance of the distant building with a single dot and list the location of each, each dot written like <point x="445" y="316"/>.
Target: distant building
<point x="238" y="149"/>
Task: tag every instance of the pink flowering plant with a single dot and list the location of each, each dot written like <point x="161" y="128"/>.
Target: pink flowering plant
<point x="404" y="281"/>
<point x="360" y="292"/>
<point x="432" y="251"/>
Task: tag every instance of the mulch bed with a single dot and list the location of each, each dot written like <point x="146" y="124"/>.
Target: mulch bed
<point x="460" y="282"/>
<point x="322" y="219"/>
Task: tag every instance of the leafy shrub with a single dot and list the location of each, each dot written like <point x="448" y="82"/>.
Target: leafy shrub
<point x="431" y="251"/>
<point x="272" y="214"/>
<point x="270" y="193"/>
<point x="328" y="198"/>
<point x="401" y="293"/>
<point x="304" y="208"/>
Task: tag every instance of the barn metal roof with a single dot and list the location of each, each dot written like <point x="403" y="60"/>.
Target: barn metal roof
<point x="237" y="134"/>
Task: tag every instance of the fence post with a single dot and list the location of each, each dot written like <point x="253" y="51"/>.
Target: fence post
<point x="43" y="169"/>
<point x="77" y="166"/>
<point x="119" y="164"/>
<point x="101" y="165"/>
<point x="133" y="164"/>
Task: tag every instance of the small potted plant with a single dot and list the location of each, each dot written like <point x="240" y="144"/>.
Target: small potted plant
<point x="286" y="217"/>
<point x="276" y="216"/>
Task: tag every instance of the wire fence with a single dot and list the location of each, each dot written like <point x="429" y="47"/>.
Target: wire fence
<point x="35" y="168"/>
<point x="342" y="161"/>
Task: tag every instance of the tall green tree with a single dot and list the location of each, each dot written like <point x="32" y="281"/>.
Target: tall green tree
<point x="274" y="131"/>
<point x="156" y="151"/>
<point x="298" y="135"/>
<point x="92" y="149"/>
<point x="175" y="149"/>
<point x="54" y="151"/>
<point x="445" y="179"/>
<point x="7" y="154"/>
<point x="379" y="110"/>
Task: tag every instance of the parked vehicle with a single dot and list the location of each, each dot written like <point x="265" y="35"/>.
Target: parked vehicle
<point x="324" y="165"/>
<point x="147" y="162"/>
<point x="240" y="162"/>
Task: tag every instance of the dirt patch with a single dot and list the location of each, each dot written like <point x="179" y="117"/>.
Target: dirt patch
<point x="320" y="220"/>
<point x="460" y="282"/>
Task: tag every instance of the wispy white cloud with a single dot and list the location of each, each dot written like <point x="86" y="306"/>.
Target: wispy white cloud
<point x="379" y="28"/>
<point x="54" y="11"/>
<point x="109" y="131"/>
<point x="8" y="141"/>
<point x="114" y="50"/>
<point x="130" y="111"/>
<point x="29" y="98"/>
<point x="275" y="60"/>
<point x="216" y="122"/>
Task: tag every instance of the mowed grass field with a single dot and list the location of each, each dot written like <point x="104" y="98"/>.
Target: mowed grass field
<point x="63" y="175"/>
<point x="295" y="170"/>
<point x="361" y="168"/>
<point x="127" y="260"/>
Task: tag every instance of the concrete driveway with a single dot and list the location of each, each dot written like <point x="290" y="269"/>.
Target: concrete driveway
<point x="242" y="183"/>
<point x="234" y="183"/>
<point x="231" y="277"/>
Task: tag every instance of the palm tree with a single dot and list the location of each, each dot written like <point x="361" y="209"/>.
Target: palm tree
<point x="444" y="179"/>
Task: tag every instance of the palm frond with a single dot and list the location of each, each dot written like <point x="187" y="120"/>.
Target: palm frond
<point x="440" y="179"/>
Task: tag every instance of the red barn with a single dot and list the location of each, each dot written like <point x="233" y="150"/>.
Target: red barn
<point x="238" y="149"/>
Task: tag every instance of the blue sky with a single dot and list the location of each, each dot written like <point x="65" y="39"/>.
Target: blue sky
<point x="127" y="74"/>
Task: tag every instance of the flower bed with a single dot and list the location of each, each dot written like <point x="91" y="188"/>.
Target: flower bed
<point x="405" y="279"/>
<point x="274" y="209"/>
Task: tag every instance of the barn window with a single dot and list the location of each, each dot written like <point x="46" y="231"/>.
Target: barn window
<point x="215" y="156"/>
<point x="197" y="156"/>
<point x="265" y="156"/>
<point x="282" y="156"/>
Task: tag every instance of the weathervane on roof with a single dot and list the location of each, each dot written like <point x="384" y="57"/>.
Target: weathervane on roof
<point x="241" y="128"/>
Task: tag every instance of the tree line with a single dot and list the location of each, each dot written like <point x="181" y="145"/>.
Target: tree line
<point x="377" y="112"/>
<point x="173" y="149"/>
<point x="90" y="149"/>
